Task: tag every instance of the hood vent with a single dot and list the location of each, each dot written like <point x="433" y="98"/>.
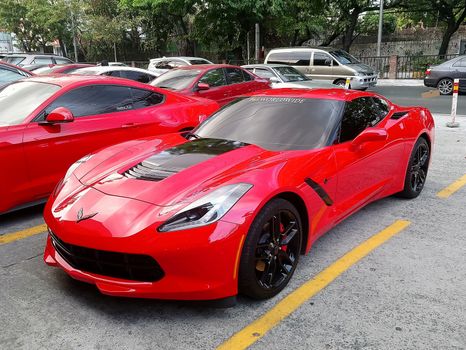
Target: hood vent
<point x="173" y="160"/>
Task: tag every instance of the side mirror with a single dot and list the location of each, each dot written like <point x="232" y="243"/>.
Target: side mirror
<point x="274" y="80"/>
<point x="368" y="135"/>
<point x="59" y="115"/>
<point x="203" y="86"/>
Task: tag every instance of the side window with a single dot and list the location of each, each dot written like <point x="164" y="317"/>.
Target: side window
<point x="380" y="108"/>
<point x="460" y="63"/>
<point x="136" y="76"/>
<point x="322" y="59"/>
<point x="247" y="76"/>
<point x="144" y="98"/>
<point x="42" y="60"/>
<point x="113" y="73"/>
<point x="264" y="73"/>
<point x="95" y="99"/>
<point x="62" y="60"/>
<point x="235" y="75"/>
<point x="360" y="114"/>
<point x="294" y="58"/>
<point x="7" y="75"/>
<point x="214" y="77"/>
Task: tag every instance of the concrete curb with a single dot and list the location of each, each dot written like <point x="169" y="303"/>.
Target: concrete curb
<point x="400" y="82"/>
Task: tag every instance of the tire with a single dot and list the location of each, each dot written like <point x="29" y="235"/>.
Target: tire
<point x="417" y="170"/>
<point x="270" y="256"/>
<point x="445" y="86"/>
<point x="340" y="82"/>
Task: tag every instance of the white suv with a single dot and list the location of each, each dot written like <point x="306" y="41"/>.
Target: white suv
<point x="159" y="66"/>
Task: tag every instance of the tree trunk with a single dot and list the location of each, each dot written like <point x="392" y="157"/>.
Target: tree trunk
<point x="351" y="26"/>
<point x="62" y="47"/>
<point x="446" y="39"/>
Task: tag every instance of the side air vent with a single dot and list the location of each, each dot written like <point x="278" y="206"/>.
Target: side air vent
<point x="399" y="115"/>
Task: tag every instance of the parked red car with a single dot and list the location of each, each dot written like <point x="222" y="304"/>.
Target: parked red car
<point x="230" y="207"/>
<point x="47" y="123"/>
<point x="62" y="68"/>
<point x="9" y="73"/>
<point x="219" y="82"/>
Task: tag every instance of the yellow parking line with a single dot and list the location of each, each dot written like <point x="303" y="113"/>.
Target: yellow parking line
<point x="14" y="236"/>
<point x="452" y="188"/>
<point x="257" y="329"/>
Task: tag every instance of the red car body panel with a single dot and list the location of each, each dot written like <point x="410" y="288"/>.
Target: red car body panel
<point x="40" y="154"/>
<point x="64" y="68"/>
<point x="202" y="263"/>
<point x="227" y="93"/>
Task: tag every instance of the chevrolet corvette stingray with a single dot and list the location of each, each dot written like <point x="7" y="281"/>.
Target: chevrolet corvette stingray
<point x="47" y="123"/>
<point x="229" y="207"/>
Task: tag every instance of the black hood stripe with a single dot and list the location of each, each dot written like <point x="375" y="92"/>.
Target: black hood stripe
<point x="173" y="160"/>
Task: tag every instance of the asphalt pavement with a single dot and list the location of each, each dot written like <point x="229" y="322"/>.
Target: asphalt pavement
<point x="409" y="293"/>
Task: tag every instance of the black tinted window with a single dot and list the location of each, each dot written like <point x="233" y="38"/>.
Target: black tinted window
<point x="460" y="63"/>
<point x="214" y="77"/>
<point x="322" y="59"/>
<point x="360" y="114"/>
<point x="294" y="58"/>
<point x="113" y="73"/>
<point x="136" y="76"/>
<point x="275" y="123"/>
<point x="144" y="98"/>
<point x="235" y="75"/>
<point x="247" y="76"/>
<point x="96" y="99"/>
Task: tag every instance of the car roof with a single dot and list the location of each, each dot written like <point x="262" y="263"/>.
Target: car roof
<point x="323" y="93"/>
<point x="103" y="69"/>
<point x="303" y="48"/>
<point x="262" y="65"/>
<point x="205" y="67"/>
<point x="12" y="66"/>
<point x="65" y="80"/>
<point x="187" y="58"/>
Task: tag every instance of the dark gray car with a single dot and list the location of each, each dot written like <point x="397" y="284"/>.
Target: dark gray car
<point x="442" y="76"/>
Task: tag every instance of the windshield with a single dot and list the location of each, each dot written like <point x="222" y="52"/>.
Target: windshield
<point x="18" y="100"/>
<point x="14" y="59"/>
<point x="344" y="57"/>
<point x="88" y="71"/>
<point x="289" y="74"/>
<point x="199" y="61"/>
<point x="177" y="79"/>
<point x="275" y="123"/>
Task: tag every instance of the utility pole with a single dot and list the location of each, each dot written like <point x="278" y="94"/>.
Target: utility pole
<point x="257" y="43"/>
<point x="248" y="48"/>
<point x="379" y="36"/>
<point x="73" y="29"/>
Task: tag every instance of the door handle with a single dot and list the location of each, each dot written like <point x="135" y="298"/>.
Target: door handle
<point x="129" y="125"/>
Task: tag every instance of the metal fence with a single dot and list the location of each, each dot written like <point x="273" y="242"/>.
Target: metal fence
<point x="380" y="64"/>
<point x="414" y="67"/>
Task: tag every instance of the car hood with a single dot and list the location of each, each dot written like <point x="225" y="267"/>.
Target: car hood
<point x="308" y="84"/>
<point x="177" y="170"/>
<point x="362" y="68"/>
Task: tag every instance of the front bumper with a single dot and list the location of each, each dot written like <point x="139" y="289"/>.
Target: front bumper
<point x="363" y="82"/>
<point x="197" y="264"/>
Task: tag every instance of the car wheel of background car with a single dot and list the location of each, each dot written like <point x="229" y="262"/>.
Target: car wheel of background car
<point x="445" y="86"/>
<point x="271" y="250"/>
<point x="417" y="170"/>
<point x="340" y="82"/>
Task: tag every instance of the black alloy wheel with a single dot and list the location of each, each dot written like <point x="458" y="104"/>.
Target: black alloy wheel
<point x="416" y="173"/>
<point x="271" y="251"/>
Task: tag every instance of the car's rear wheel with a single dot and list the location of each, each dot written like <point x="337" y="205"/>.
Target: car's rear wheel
<point x="445" y="86"/>
<point x="271" y="250"/>
<point x="340" y="82"/>
<point x="417" y="170"/>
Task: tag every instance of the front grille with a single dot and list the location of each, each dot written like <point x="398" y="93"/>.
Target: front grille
<point x="136" y="267"/>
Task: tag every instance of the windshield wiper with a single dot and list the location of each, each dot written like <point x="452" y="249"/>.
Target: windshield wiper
<point x="189" y="134"/>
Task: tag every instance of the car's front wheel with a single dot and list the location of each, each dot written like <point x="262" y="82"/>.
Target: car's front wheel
<point x="416" y="173"/>
<point x="445" y="86"/>
<point x="271" y="250"/>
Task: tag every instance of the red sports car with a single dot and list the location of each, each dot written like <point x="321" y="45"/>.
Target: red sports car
<point x="47" y="123"/>
<point x="230" y="207"/>
<point x="220" y="82"/>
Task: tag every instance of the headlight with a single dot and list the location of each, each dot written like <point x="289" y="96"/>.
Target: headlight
<point x="75" y="165"/>
<point x="207" y="209"/>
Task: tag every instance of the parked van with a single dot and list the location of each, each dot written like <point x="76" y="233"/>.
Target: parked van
<point x="325" y="63"/>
